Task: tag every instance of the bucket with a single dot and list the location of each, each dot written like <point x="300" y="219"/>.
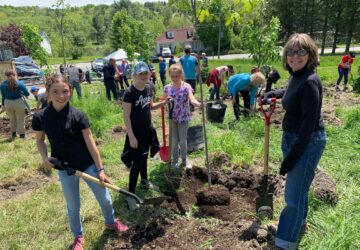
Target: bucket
<point x="215" y="111"/>
<point x="195" y="138"/>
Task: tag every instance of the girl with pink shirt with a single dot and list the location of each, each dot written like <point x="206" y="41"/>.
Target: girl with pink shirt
<point x="182" y="94"/>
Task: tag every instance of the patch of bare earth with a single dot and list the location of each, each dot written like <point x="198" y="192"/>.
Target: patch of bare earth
<point x="22" y="184"/>
<point x="226" y="216"/>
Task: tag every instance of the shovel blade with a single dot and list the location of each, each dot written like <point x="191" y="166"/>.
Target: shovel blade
<point x="264" y="203"/>
<point x="156" y="200"/>
<point x="164" y="154"/>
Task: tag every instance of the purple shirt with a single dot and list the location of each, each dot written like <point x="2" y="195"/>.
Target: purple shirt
<point x="181" y="112"/>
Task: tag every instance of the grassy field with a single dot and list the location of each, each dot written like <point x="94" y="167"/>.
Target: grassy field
<point x="36" y="219"/>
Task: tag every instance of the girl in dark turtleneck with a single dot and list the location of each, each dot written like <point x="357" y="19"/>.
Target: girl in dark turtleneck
<point x="304" y="137"/>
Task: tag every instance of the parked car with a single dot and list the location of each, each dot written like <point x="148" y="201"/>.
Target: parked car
<point x="97" y="65"/>
<point x="154" y="59"/>
<point x="166" y="52"/>
<point x="28" y="69"/>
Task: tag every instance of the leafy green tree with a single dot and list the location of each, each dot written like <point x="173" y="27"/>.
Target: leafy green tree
<point x="33" y="40"/>
<point x="129" y="34"/>
<point x="99" y="29"/>
<point x="261" y="41"/>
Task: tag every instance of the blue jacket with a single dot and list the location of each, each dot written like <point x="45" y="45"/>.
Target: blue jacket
<point x="241" y="82"/>
<point x="162" y="67"/>
<point x="7" y="94"/>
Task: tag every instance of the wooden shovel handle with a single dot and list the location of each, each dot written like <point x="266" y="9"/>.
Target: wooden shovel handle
<point x="85" y="176"/>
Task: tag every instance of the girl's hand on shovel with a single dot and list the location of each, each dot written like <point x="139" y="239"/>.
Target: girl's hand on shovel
<point x="48" y="164"/>
<point x="104" y="178"/>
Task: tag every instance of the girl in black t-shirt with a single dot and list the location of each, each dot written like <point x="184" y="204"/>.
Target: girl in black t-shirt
<point x="69" y="134"/>
<point x="137" y="103"/>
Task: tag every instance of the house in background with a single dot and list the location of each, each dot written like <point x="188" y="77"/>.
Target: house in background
<point x="179" y="37"/>
<point x="5" y="53"/>
<point x="46" y="43"/>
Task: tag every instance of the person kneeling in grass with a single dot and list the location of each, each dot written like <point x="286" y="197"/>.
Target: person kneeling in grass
<point x="137" y="103"/>
<point x="247" y="84"/>
<point x="71" y="141"/>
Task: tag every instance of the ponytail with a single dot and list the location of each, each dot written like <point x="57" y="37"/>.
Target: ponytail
<point x="12" y="80"/>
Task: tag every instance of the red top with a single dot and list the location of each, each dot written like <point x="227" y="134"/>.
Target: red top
<point x="346" y="61"/>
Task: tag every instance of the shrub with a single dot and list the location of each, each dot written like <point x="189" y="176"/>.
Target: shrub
<point x="356" y="83"/>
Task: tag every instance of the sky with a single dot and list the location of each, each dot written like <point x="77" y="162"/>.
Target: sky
<point x="49" y="3"/>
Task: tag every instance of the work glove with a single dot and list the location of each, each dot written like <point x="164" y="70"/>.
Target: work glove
<point x="287" y="165"/>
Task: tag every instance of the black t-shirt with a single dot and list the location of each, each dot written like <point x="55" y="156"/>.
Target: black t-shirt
<point x="140" y="115"/>
<point x="64" y="131"/>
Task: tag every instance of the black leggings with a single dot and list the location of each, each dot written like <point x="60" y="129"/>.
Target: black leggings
<point x="139" y="166"/>
<point x="246" y="98"/>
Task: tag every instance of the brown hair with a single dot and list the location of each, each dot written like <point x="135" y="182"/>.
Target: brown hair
<point x="52" y="79"/>
<point x="230" y="70"/>
<point x="12" y="79"/>
<point x="177" y="68"/>
<point x="303" y="41"/>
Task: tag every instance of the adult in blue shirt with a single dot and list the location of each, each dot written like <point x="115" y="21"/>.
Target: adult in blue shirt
<point x="12" y="91"/>
<point x="190" y="67"/>
<point x="162" y="71"/>
<point x="247" y="84"/>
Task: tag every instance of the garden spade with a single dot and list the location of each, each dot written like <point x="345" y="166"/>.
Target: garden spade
<point x="164" y="150"/>
<point x="264" y="203"/>
<point x="148" y="201"/>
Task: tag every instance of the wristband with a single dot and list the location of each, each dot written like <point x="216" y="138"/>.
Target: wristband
<point x="101" y="169"/>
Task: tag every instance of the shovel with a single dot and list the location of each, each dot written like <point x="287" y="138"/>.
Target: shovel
<point x="171" y="109"/>
<point x="149" y="201"/>
<point x="164" y="150"/>
<point x="264" y="203"/>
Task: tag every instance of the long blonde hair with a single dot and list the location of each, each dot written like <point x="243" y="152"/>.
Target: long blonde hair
<point x="303" y="41"/>
<point x="12" y="79"/>
<point x="177" y="68"/>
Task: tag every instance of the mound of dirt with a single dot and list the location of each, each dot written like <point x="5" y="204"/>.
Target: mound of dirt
<point x="324" y="188"/>
<point x="218" y="195"/>
<point x="230" y="201"/>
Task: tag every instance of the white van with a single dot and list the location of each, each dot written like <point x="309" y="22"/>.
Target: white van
<point x="166" y="52"/>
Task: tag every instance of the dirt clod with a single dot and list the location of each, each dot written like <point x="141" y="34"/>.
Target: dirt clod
<point x="217" y="195"/>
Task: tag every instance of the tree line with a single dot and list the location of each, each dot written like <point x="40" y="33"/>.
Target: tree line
<point x="100" y="29"/>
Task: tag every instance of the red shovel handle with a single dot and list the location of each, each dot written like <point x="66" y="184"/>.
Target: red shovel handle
<point x="267" y="115"/>
<point x="163" y="125"/>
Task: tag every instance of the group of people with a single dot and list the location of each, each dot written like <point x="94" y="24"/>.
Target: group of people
<point x="69" y="134"/>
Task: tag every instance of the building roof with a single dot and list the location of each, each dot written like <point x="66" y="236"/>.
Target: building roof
<point x="179" y="35"/>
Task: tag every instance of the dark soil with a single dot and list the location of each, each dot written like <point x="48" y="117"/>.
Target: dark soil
<point x="226" y="212"/>
<point x="324" y="188"/>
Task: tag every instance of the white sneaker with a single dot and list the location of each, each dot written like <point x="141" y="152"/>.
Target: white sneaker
<point x="188" y="165"/>
<point x="133" y="205"/>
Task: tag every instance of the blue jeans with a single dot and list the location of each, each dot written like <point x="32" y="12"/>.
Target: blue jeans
<point x="215" y="92"/>
<point x="77" y="87"/>
<point x="297" y="186"/>
<point x="342" y="73"/>
<point x="70" y="186"/>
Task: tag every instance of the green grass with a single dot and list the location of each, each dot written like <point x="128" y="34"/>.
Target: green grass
<point x="37" y="219"/>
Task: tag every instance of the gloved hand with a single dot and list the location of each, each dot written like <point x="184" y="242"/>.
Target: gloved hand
<point x="287" y="165"/>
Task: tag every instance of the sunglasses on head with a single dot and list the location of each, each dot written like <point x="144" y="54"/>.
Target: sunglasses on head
<point x="300" y="52"/>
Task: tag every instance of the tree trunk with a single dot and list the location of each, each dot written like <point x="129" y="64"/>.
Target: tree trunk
<point x="324" y="33"/>
<point x="350" y="26"/>
<point x="336" y="30"/>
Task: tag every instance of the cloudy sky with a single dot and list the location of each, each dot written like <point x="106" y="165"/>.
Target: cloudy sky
<point x="49" y="3"/>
